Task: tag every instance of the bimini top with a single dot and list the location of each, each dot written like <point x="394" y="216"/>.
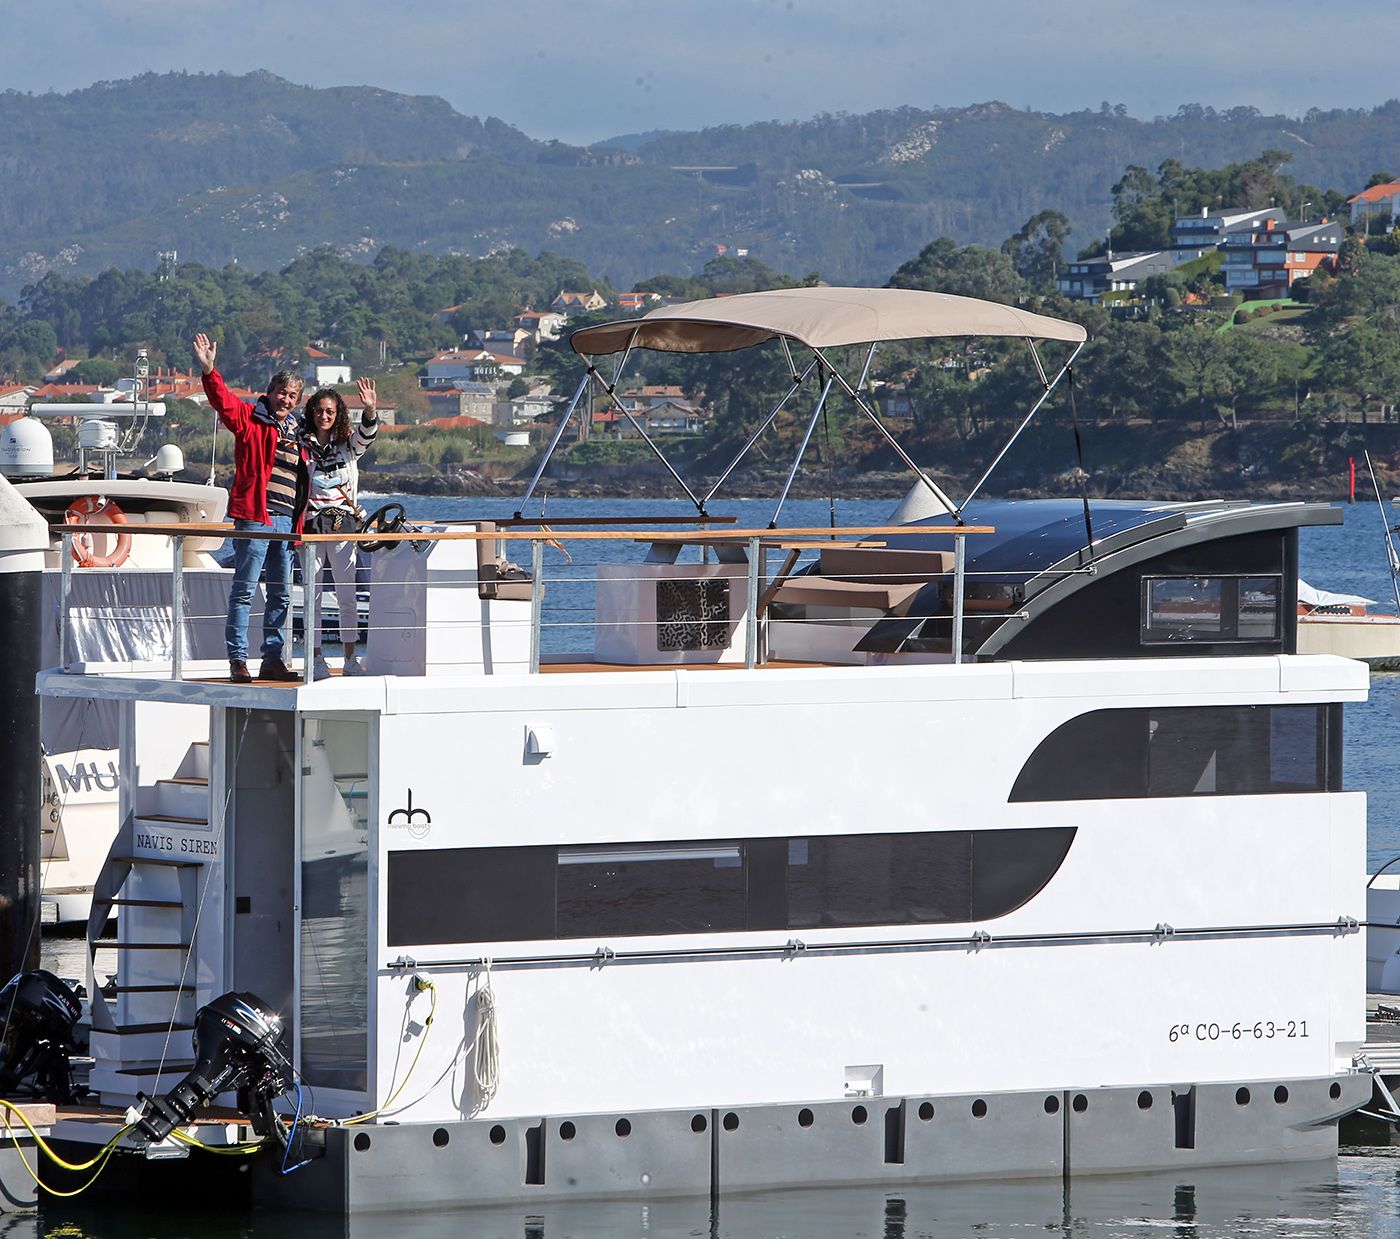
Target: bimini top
<point x="817" y="318"/>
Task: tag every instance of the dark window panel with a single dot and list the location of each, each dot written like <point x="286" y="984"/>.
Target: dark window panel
<point x="1011" y="867"/>
<point x="1185" y="751"/>
<point x="665" y="888"/>
<point x="471" y="895"/>
<point x="906" y="879"/>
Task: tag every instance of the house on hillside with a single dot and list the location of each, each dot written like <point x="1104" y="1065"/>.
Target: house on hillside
<point x="14" y="399"/>
<point x="507" y="341"/>
<point x="529" y="408"/>
<point x="1264" y="262"/>
<point x="465" y="399"/>
<point x="641" y="399"/>
<point x="469" y="365"/>
<point x="633" y="303"/>
<point x="62" y="370"/>
<point x="571" y="303"/>
<point x="322" y="370"/>
<point x="1194" y="236"/>
<point x="1374" y="202"/>
<point x="1088" y="279"/>
<point x="541" y="324"/>
<point x="666" y="417"/>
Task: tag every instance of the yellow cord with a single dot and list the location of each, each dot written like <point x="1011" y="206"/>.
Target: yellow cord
<point x="44" y="1146"/>
<point x="423" y="984"/>
<point x="99" y="1160"/>
<point x="228" y="1150"/>
<point x="77" y="1191"/>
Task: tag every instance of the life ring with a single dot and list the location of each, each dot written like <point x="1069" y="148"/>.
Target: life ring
<point x="97" y="510"/>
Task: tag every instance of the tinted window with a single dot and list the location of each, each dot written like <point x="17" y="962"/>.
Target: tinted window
<point x="879" y="879"/>
<point x="1186" y="751"/>
<point x="1210" y="608"/>
<point x="520" y="894"/>
<point x="664" y="888"/>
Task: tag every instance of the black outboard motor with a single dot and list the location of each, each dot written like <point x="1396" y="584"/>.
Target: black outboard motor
<point x="235" y="1049"/>
<point x="37" y="1015"/>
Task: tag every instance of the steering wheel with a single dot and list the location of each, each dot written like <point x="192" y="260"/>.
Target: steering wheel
<point x="388" y="519"/>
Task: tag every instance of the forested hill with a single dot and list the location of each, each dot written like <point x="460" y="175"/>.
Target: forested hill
<point x="256" y="169"/>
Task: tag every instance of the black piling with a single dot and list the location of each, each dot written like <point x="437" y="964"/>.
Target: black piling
<point x="23" y="540"/>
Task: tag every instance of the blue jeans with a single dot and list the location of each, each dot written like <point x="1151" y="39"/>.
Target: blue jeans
<point x="249" y="557"/>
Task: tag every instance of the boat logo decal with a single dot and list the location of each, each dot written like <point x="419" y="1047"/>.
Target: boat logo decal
<point x="418" y="822"/>
<point x="85" y="775"/>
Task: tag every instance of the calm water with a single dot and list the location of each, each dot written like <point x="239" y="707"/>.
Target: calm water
<point x="1359" y="1195"/>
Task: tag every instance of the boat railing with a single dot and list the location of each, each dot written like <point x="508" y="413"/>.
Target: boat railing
<point x="743" y="597"/>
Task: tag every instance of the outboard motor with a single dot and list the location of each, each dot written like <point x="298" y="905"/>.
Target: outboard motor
<point x="37" y="1015"/>
<point x="235" y="1050"/>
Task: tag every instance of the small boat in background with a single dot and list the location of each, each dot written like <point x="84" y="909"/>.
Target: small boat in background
<point x="1344" y="624"/>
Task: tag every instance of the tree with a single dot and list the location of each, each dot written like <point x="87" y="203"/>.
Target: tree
<point x="1037" y="251"/>
<point x="1364" y="359"/>
<point x="99" y="371"/>
<point x="1124" y="367"/>
<point x="29" y="347"/>
<point x="1249" y="368"/>
<point x="1194" y="355"/>
<point x="970" y="271"/>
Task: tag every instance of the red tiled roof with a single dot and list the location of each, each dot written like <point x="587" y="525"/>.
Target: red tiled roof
<point x="1377" y="193"/>
<point x="461" y="421"/>
<point x="55" y="391"/>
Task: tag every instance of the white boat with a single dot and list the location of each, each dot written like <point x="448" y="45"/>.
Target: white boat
<point x="1345" y="624"/>
<point x="1008" y="840"/>
<point x="119" y="596"/>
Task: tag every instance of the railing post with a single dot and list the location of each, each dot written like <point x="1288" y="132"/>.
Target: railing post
<point x="536" y="600"/>
<point x="310" y="613"/>
<point x="177" y="606"/>
<point x="959" y="583"/>
<point x="65" y="585"/>
<point x="751" y="611"/>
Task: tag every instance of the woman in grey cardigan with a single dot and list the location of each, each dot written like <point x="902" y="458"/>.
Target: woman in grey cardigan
<point x="333" y="450"/>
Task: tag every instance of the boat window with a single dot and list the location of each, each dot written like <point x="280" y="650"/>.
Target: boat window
<point x="1186" y="751"/>
<point x="455" y="895"/>
<point x="1210" y="608"/>
<point x="880" y="880"/>
<point x="659" y="889"/>
<point x="334" y="902"/>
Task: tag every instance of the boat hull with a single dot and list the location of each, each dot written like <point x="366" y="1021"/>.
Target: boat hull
<point x="722" y="1151"/>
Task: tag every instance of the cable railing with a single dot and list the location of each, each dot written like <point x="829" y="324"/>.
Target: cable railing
<point x="448" y="596"/>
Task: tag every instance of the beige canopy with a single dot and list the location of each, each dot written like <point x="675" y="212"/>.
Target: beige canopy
<point x="818" y="318"/>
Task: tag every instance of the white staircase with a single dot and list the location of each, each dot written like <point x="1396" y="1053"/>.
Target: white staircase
<point x="155" y="996"/>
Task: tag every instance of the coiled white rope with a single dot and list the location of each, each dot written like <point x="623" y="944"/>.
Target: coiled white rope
<point x="486" y="1044"/>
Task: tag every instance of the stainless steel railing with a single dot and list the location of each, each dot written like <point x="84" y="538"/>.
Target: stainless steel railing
<point x="744" y="553"/>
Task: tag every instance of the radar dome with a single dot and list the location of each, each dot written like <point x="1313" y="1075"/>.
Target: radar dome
<point x="26" y="449"/>
<point x="168" y="460"/>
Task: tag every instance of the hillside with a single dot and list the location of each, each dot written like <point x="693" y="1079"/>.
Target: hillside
<point x="256" y="169"/>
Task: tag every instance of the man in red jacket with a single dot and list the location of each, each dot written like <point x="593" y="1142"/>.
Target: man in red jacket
<point x="270" y="484"/>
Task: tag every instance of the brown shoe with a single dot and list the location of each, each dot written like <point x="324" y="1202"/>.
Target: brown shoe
<point x="276" y="669"/>
<point x="238" y="672"/>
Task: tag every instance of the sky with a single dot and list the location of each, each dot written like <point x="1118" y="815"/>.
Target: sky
<point x="592" y="69"/>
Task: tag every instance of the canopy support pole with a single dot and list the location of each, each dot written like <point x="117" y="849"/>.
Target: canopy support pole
<point x="797" y="381"/>
<point x="554" y="442"/>
<point x="1035" y="408"/>
<point x="890" y="439"/>
<point x="806" y="438"/>
<point x="611" y="389"/>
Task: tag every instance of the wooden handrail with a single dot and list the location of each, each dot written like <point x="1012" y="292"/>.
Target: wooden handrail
<point x="819" y="535"/>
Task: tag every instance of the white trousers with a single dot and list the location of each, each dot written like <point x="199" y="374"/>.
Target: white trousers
<point x="341" y="557"/>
